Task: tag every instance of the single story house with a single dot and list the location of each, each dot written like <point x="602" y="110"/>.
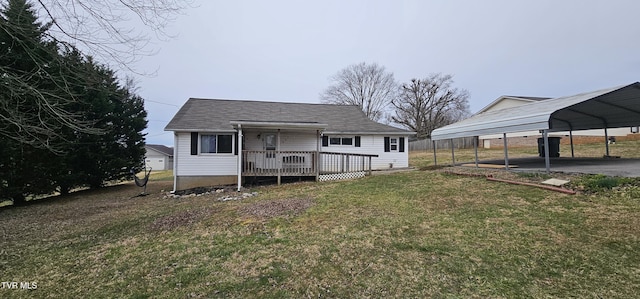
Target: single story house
<point x="220" y="142"/>
<point x="158" y="157"/>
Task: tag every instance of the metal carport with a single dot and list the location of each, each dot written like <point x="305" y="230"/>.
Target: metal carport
<point x="606" y="108"/>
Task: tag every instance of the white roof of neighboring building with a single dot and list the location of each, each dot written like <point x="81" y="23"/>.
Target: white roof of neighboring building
<point x="612" y="108"/>
<point x="516" y="98"/>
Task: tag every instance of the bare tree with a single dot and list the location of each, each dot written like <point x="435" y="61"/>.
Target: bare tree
<point x="424" y="105"/>
<point x="107" y="29"/>
<point x="34" y="99"/>
<point x="369" y="86"/>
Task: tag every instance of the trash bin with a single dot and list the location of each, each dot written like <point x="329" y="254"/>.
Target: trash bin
<point x="554" y="147"/>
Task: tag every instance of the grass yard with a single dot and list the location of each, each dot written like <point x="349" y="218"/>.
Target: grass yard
<point x="409" y="234"/>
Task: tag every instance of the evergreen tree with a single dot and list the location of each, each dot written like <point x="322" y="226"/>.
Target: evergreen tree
<point x="93" y="159"/>
<point x="23" y="51"/>
<point x="58" y="72"/>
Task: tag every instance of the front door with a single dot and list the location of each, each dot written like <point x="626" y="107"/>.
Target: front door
<point x="270" y="146"/>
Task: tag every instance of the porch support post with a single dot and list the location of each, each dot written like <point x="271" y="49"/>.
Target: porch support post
<point x="475" y="148"/>
<point x="240" y="154"/>
<point x="453" y="156"/>
<point x="571" y="140"/>
<point x="278" y="158"/>
<point x="506" y="151"/>
<point x="435" y="159"/>
<point x="317" y="160"/>
<point x="606" y="140"/>
<point x="547" y="164"/>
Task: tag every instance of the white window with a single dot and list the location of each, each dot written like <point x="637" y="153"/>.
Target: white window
<point x="393" y="144"/>
<point x="341" y="141"/>
<point x="220" y="144"/>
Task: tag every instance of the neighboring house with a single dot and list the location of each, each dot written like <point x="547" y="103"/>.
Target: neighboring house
<point x="510" y="101"/>
<point x="530" y="138"/>
<point x="279" y="139"/>
<point x="159" y="157"/>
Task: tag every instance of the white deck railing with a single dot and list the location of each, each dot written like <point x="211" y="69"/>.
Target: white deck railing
<point x="303" y="163"/>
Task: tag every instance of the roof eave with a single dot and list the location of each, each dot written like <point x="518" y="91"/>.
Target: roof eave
<point x="368" y="133"/>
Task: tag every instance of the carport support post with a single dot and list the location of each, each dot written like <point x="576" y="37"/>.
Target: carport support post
<point x="453" y="156"/>
<point x="571" y="140"/>
<point x="606" y="140"/>
<point x="547" y="164"/>
<point x="435" y="159"/>
<point x="475" y="148"/>
<point x="506" y="151"/>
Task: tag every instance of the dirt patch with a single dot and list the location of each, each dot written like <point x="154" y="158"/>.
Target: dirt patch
<point x="185" y="218"/>
<point x="277" y="208"/>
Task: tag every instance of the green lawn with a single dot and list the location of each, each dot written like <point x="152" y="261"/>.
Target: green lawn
<point x="412" y="234"/>
<point x="407" y="234"/>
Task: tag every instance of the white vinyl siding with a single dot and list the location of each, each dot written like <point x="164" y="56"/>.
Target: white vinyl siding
<point x="202" y="165"/>
<point x="226" y="164"/>
<point x="374" y="145"/>
<point x="289" y="141"/>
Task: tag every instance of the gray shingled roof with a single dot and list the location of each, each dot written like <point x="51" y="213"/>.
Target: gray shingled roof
<point x="161" y="148"/>
<point x="216" y="115"/>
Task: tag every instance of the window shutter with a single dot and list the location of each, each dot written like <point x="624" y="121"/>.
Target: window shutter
<point x="325" y="140"/>
<point x="194" y="143"/>
<point x="357" y="141"/>
<point x="402" y="144"/>
<point x="235" y="148"/>
<point x="387" y="144"/>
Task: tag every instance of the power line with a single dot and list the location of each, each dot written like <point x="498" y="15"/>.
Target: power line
<point x="152" y="101"/>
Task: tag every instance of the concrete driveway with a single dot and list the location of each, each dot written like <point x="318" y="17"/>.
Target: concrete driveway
<point x="607" y="166"/>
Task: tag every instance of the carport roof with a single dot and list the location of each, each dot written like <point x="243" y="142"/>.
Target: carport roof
<point x="606" y="108"/>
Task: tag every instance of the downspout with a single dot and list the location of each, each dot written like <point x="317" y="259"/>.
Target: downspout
<point x="317" y="160"/>
<point x="240" y="154"/>
<point x="175" y="161"/>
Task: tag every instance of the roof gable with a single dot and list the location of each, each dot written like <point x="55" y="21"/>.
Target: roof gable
<point x="219" y="115"/>
<point x="514" y="99"/>
<point x="160" y="149"/>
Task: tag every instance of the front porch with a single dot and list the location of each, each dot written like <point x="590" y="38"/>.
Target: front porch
<point x="305" y="164"/>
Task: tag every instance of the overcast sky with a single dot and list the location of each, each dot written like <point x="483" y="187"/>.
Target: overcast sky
<point x="287" y="50"/>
